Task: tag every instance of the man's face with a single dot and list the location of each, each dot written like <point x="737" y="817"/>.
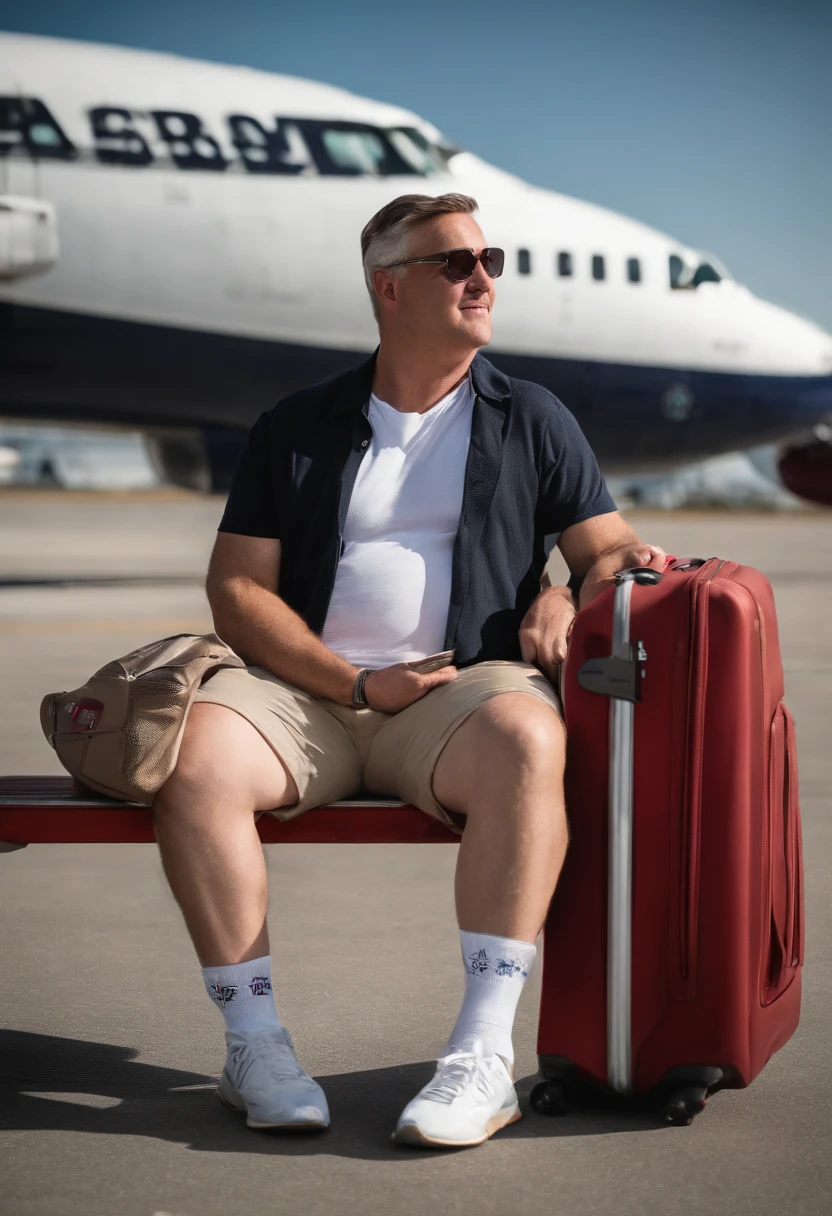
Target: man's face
<point x="429" y="308"/>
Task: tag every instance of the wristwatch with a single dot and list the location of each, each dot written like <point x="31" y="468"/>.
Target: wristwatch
<point x="358" y="697"/>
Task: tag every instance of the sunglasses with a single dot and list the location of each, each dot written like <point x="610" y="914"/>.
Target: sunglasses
<point x="460" y="264"/>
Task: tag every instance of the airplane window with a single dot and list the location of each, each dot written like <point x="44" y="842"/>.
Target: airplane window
<point x="633" y="270"/>
<point x="705" y="273"/>
<point x="44" y="136"/>
<point x="565" y="265"/>
<point x="357" y="151"/>
<point x="352" y="149"/>
<point x="677" y="268"/>
<point x="598" y="268"/>
<point x="415" y="149"/>
<point x="524" y="261"/>
<point x="687" y="274"/>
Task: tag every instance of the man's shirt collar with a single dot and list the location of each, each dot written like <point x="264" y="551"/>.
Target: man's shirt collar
<point x="355" y="388"/>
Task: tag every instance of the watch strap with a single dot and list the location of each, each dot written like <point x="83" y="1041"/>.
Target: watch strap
<point x="358" y="696"/>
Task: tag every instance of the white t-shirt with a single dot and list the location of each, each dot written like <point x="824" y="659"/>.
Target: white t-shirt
<point x="393" y="582"/>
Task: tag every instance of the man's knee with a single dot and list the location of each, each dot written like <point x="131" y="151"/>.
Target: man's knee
<point x="516" y="727"/>
<point x="512" y="735"/>
<point x="223" y="758"/>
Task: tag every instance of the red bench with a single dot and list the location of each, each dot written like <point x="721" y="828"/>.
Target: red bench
<point x="50" y="810"/>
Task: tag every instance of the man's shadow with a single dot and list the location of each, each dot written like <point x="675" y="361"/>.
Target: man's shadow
<point x="57" y="1084"/>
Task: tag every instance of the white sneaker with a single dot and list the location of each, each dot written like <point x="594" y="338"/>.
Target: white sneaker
<point x="262" y="1077"/>
<point x="469" y="1099"/>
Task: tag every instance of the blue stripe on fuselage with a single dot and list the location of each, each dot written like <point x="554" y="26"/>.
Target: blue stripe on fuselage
<point x="70" y="366"/>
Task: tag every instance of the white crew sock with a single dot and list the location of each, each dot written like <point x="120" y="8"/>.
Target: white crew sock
<point x="496" y="968"/>
<point x="243" y="992"/>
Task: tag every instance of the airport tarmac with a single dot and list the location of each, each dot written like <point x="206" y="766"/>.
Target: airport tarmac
<point x="110" y="1049"/>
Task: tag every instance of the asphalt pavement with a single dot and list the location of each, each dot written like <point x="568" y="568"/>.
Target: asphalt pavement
<point x="110" y="1049"/>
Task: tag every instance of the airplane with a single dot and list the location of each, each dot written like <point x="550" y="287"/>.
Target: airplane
<point x="179" y="249"/>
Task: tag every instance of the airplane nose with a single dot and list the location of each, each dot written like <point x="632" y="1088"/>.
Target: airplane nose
<point x="789" y="344"/>
<point x="793" y="392"/>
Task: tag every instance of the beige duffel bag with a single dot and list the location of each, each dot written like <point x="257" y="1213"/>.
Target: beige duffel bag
<point x="120" y="732"/>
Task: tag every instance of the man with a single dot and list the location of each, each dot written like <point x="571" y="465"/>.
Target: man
<point x="393" y="512"/>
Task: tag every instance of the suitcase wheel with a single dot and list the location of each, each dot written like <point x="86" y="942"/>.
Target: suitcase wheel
<point x="684" y="1104"/>
<point x="548" y="1098"/>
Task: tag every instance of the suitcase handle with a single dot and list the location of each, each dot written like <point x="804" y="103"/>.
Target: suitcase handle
<point x="620" y="854"/>
<point x="618" y="677"/>
<point x="644" y="575"/>
<point x="693" y="563"/>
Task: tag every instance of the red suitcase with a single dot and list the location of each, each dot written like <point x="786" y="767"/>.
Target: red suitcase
<point x="673" y="946"/>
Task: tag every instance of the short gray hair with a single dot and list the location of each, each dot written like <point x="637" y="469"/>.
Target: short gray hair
<point x="385" y="240"/>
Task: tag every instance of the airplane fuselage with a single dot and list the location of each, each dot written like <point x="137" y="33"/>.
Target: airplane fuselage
<point x="209" y="263"/>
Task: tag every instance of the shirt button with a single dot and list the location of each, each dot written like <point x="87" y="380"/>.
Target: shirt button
<point x="364" y="442"/>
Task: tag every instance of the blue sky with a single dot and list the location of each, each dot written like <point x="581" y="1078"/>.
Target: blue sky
<point x="710" y="120"/>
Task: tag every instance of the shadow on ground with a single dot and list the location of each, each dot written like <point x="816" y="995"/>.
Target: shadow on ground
<point x="56" y="1084"/>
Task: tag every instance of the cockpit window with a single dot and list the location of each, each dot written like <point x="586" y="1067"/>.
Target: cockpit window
<point x="348" y="149"/>
<point x="412" y="146"/>
<point x="354" y="151"/>
<point x="705" y="273"/>
<point x="688" y="273"/>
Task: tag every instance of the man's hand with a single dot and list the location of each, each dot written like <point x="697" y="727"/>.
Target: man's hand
<point x="545" y="629"/>
<point x="644" y="555"/>
<point x="602" y="573"/>
<point x="393" y="688"/>
<point x="597" y="548"/>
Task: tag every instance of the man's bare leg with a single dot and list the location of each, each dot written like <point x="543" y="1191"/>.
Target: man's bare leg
<point x="213" y="860"/>
<point x="205" y="828"/>
<point x="503" y="768"/>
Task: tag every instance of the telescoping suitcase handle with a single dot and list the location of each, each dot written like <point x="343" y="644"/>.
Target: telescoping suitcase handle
<point x="619" y="677"/>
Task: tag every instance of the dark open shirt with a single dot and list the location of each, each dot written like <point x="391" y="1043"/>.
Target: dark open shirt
<point x="530" y="472"/>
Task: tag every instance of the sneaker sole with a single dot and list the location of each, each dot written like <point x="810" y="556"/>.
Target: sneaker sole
<point x="310" y="1125"/>
<point x="411" y="1134"/>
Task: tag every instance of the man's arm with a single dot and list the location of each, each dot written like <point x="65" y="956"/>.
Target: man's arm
<point x="261" y="627"/>
<point x="598" y="547"/>
<point x="594" y="550"/>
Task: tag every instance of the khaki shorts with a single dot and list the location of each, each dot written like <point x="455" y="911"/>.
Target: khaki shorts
<point x="334" y="751"/>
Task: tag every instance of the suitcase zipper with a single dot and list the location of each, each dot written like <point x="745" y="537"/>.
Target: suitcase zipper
<point x="783" y="950"/>
<point x="795" y="939"/>
<point x="790" y="944"/>
<point x="688" y="915"/>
